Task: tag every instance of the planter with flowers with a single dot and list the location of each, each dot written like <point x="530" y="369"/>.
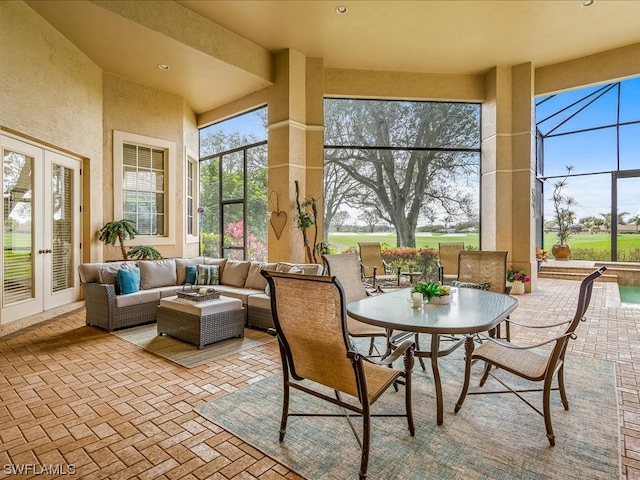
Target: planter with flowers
<point x="517" y="278"/>
<point x="541" y="256"/>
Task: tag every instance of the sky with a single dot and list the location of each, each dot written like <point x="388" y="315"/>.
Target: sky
<point x="593" y="151"/>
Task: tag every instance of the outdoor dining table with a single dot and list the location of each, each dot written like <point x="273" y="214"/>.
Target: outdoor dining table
<point x="469" y="312"/>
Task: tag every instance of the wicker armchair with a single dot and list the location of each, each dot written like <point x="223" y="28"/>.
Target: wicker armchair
<point x="534" y="366"/>
<point x="311" y="326"/>
<point x="448" y="260"/>
<point x="373" y="267"/>
<point x="346" y="268"/>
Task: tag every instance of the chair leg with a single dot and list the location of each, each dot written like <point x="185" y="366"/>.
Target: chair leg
<point x="408" y="392"/>
<point x="485" y="374"/>
<point x="285" y="409"/>
<point x="366" y="440"/>
<point x="546" y="396"/>
<point x="417" y="339"/>
<point x="563" y="394"/>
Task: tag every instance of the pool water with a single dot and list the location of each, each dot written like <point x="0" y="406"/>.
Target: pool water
<point x="629" y="294"/>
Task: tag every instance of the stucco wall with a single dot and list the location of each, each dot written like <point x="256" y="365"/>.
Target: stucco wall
<point x="52" y="93"/>
<point x="142" y="110"/>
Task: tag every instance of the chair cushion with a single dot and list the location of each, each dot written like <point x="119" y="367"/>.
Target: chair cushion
<point x="208" y="275"/>
<point x="479" y="286"/>
<point x="128" y="280"/>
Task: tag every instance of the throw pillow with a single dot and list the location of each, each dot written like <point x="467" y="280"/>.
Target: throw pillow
<point x="479" y="286"/>
<point x="192" y="274"/>
<point x="208" y="275"/>
<point x="128" y="280"/>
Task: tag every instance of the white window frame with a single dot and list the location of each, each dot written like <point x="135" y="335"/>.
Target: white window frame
<point x="119" y="139"/>
<point x="192" y="160"/>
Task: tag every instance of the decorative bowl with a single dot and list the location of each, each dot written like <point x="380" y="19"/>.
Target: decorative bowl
<point x="443" y="300"/>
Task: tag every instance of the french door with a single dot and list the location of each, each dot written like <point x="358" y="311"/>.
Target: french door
<point x="41" y="229"/>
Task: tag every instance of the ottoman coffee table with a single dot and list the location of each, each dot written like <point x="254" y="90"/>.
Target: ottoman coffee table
<point x="201" y="323"/>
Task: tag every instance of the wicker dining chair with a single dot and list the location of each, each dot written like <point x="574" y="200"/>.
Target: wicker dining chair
<point x="374" y="267"/>
<point x="310" y="318"/>
<point x="535" y="366"/>
<point x="346" y="267"/>
<point x="485" y="268"/>
<point x="448" y="260"/>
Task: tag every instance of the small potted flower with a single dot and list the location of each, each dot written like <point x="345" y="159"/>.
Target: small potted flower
<point x="541" y="256"/>
<point x="517" y="278"/>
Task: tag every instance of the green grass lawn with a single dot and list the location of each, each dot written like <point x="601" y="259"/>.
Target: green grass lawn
<point x="584" y="245"/>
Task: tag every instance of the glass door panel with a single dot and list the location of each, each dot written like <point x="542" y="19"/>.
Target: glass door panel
<point x="18" y="231"/>
<point x="61" y="229"/>
<point x="628" y="219"/>
<point x="233" y="230"/>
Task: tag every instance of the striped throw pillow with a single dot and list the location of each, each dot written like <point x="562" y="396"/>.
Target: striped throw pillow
<point x="208" y="275"/>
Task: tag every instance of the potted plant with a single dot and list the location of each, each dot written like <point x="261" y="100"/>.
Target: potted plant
<point x="144" y="252"/>
<point x="433" y="292"/>
<point x="541" y="256"/>
<point x="117" y="231"/>
<point x="517" y="278"/>
<point x="564" y="216"/>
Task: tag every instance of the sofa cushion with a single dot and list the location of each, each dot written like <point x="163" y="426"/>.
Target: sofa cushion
<point x="208" y="275"/>
<point x="221" y="262"/>
<point x="157" y="273"/>
<point x="138" y="298"/>
<point x="235" y="273"/>
<point x="259" y="300"/>
<point x="254" y="278"/>
<point x="88" y="272"/>
<point x="181" y="268"/>
<point x="108" y="272"/>
<point x="307" y="268"/>
<point x="128" y="280"/>
<point x="237" y="292"/>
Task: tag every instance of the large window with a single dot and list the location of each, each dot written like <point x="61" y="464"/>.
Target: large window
<point x="233" y="187"/>
<point x="143" y="185"/>
<point x="409" y="170"/>
<point x="596" y="131"/>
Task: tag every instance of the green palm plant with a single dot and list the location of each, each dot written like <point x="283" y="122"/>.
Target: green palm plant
<point x="144" y="252"/>
<point x="117" y="231"/>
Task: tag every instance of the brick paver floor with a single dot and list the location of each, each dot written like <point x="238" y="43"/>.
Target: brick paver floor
<point x="88" y="402"/>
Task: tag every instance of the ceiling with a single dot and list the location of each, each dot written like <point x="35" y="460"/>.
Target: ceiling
<point x="463" y="37"/>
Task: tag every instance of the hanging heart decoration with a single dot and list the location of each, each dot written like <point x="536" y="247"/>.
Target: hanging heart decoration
<point x="278" y="218"/>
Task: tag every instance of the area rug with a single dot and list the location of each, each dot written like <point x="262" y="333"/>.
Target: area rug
<point x="185" y="354"/>
<point x="492" y="437"/>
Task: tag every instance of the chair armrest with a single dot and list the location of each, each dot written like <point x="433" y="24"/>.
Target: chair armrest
<point x="440" y="272"/>
<point x="528" y="325"/>
<point x="396" y="353"/>
<point x="513" y="346"/>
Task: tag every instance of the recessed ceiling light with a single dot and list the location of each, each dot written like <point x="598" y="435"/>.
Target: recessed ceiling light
<point x="164" y="66"/>
<point x="341" y="10"/>
<point x="587" y="3"/>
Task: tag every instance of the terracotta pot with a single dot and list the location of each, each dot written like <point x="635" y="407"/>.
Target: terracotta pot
<point x="561" y="251"/>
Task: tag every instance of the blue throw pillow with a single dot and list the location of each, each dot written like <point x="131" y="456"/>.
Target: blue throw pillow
<point x="192" y="274"/>
<point x="129" y="280"/>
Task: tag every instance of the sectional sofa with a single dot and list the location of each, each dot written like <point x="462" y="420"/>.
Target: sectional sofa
<point x="110" y="310"/>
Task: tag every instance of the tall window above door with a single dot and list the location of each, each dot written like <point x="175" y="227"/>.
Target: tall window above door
<point x="143" y="186"/>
